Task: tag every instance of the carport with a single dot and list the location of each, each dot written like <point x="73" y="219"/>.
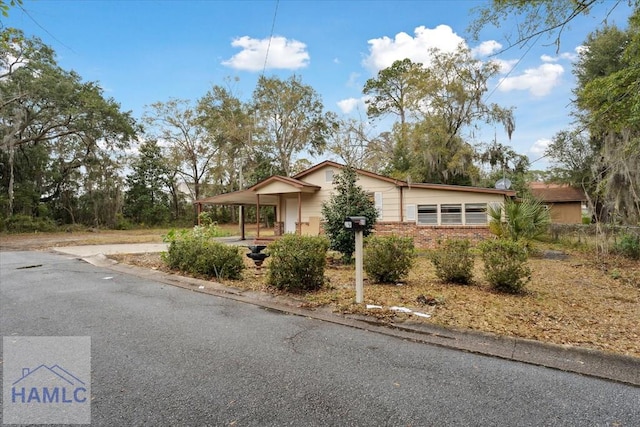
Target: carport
<point x="273" y="191"/>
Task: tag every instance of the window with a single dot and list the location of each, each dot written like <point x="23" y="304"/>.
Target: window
<point x="475" y="213"/>
<point x="328" y="175"/>
<point x="451" y="214"/>
<point x="428" y="214"/>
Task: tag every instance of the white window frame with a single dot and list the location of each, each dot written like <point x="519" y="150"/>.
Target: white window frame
<point x="431" y="205"/>
<point x="456" y="217"/>
<point x="476" y="217"/>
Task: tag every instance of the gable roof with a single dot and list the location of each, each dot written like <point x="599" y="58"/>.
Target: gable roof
<point x="286" y="180"/>
<point x="556" y="193"/>
<point x="400" y="183"/>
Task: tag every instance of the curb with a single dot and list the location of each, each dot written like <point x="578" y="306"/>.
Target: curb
<point x="593" y="363"/>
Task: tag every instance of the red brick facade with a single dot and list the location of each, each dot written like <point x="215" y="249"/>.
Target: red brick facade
<point x="426" y="237"/>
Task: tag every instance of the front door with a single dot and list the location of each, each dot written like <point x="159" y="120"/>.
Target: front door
<point x="290" y="215"/>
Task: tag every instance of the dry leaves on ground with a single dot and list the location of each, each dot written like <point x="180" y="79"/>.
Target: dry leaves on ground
<point x="590" y="303"/>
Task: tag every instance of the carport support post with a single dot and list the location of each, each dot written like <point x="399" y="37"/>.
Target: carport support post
<point x="359" y="278"/>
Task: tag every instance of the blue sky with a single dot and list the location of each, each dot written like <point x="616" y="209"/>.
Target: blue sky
<point x="143" y="52"/>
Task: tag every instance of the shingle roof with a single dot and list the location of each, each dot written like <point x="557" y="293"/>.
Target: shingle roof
<point x="556" y="193"/>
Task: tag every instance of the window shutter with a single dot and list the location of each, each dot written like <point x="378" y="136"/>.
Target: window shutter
<point x="377" y="197"/>
<point x="411" y="212"/>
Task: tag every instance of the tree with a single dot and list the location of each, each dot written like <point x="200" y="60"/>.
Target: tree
<point x="350" y="141"/>
<point x="392" y="91"/>
<point x="146" y="199"/>
<point x="53" y="124"/>
<point x="504" y="162"/>
<point x="446" y="101"/>
<point x="229" y="123"/>
<point x="537" y="17"/>
<point x="608" y="107"/>
<point x="177" y="124"/>
<point x="572" y="156"/>
<point x="6" y="4"/>
<point x="289" y="119"/>
<point x="349" y="199"/>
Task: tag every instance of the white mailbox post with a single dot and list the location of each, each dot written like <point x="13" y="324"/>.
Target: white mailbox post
<point x="356" y="224"/>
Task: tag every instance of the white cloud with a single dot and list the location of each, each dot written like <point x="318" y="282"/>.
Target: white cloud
<point x="353" y="80"/>
<point x="506" y="65"/>
<point x="572" y="56"/>
<point x="282" y="54"/>
<point x="569" y="56"/>
<point x="349" y="104"/>
<point x="486" y="48"/>
<point x="540" y="146"/>
<point x="538" y="81"/>
<point x="384" y="51"/>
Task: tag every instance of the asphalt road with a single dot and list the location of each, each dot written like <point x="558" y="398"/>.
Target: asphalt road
<point x="168" y="356"/>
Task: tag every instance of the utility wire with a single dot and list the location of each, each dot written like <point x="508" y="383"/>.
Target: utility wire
<point x="273" y="24"/>
<point x="44" y="29"/>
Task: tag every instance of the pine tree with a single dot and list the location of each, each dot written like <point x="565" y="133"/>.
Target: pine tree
<point x="147" y="199"/>
<point x="348" y="200"/>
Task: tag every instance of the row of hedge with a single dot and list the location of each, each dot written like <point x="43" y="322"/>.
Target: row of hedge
<point x="298" y="263"/>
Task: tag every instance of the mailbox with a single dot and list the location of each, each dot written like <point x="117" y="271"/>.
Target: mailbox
<point x="355" y="223"/>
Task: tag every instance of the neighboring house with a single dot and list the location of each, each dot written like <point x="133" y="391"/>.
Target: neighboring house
<point x="426" y="212"/>
<point x="565" y="203"/>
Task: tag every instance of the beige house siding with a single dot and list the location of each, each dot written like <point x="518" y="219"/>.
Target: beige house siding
<point x="565" y="213"/>
<point x="390" y="194"/>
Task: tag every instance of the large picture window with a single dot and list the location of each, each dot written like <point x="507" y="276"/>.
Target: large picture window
<point x="451" y="214"/>
<point x="475" y="213"/>
<point x="428" y="214"/>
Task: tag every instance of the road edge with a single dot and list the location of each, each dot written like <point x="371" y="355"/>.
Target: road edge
<point x="593" y="363"/>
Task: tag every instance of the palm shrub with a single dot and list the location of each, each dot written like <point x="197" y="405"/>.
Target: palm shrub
<point x="519" y="220"/>
<point x="297" y="263"/>
<point x="453" y="261"/>
<point x="505" y="264"/>
<point x="388" y="259"/>
<point x="194" y="252"/>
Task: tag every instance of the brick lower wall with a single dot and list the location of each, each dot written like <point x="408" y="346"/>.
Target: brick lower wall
<point x="426" y="237"/>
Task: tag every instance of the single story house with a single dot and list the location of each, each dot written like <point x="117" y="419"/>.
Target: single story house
<point x="565" y="203"/>
<point x="426" y="212"/>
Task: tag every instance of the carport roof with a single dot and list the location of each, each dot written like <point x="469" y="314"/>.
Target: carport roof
<point x="244" y="197"/>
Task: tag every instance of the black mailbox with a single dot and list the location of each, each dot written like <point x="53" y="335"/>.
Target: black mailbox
<point x="355" y="222"/>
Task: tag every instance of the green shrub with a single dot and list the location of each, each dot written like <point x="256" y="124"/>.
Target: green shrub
<point x="28" y="224"/>
<point x="629" y="246"/>
<point x="194" y="252"/>
<point x="505" y="264"/>
<point x="388" y="259"/>
<point x="297" y="263"/>
<point x="453" y="261"/>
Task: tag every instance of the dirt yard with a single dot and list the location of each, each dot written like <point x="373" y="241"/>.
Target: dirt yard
<point x="579" y="300"/>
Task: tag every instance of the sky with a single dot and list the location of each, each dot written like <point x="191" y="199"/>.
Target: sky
<point x="142" y="52"/>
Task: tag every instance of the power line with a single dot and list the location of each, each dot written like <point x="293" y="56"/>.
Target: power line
<point x="44" y="29"/>
<point x="273" y="24"/>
